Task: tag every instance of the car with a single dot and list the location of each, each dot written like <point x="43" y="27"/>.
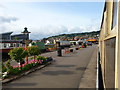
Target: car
<point x="89" y="44"/>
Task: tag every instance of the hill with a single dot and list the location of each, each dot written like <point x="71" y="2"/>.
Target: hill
<point x="93" y="34"/>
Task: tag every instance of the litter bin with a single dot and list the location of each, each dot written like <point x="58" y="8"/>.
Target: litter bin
<point x="71" y="50"/>
<point x="77" y="48"/>
<point x="59" y="51"/>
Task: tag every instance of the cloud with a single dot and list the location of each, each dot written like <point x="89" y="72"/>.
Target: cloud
<point x="43" y="31"/>
<point x="6" y="23"/>
<point x="53" y="0"/>
<point x="51" y="30"/>
<point x="75" y="30"/>
<point x="2" y="6"/>
<point x="7" y="19"/>
<point x="46" y="31"/>
<point x="69" y="25"/>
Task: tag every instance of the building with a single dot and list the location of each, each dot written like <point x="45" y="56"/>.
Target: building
<point x="19" y="37"/>
<point x="5" y="36"/>
<point x="8" y="41"/>
<point x="23" y="36"/>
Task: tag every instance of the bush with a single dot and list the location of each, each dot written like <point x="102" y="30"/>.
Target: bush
<point x="4" y="69"/>
<point x="41" y="58"/>
<point x="14" y="71"/>
<point x="8" y="64"/>
<point x="18" y="54"/>
<point x="27" y="67"/>
<point x="33" y="51"/>
<point x="44" y="60"/>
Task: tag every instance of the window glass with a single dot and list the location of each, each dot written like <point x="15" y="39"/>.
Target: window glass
<point x="110" y="62"/>
<point x="0" y="45"/>
<point x="115" y="7"/>
<point x="17" y="44"/>
<point x="4" y="45"/>
<point x="11" y="45"/>
<point x="14" y="45"/>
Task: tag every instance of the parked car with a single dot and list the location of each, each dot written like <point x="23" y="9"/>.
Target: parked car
<point x="89" y="44"/>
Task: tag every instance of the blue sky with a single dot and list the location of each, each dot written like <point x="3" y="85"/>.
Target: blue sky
<point x="45" y="19"/>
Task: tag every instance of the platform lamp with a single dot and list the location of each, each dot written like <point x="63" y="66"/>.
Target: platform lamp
<point x="26" y="40"/>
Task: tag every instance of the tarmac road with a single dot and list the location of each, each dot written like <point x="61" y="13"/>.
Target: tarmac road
<point x="66" y="72"/>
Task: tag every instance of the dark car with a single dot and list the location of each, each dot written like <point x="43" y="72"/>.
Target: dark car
<point x="89" y="44"/>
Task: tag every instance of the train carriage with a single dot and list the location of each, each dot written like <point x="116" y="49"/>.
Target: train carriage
<point x="109" y="44"/>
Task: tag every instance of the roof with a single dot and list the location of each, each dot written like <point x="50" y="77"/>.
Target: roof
<point x="10" y="41"/>
<point x="49" y="44"/>
<point x="6" y="33"/>
<point x="92" y="40"/>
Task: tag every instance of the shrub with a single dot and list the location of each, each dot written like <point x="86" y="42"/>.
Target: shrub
<point x="14" y="71"/>
<point x="27" y="67"/>
<point x="18" y="54"/>
<point x="44" y="59"/>
<point x="33" y="51"/>
<point x="8" y="64"/>
<point x="41" y="58"/>
<point x="4" y="69"/>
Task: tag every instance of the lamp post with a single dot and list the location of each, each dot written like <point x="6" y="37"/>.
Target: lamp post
<point x="26" y="40"/>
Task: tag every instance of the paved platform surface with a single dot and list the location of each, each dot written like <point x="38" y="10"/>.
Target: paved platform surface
<point x="67" y="71"/>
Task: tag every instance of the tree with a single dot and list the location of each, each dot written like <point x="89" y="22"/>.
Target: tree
<point x="18" y="54"/>
<point x="33" y="51"/>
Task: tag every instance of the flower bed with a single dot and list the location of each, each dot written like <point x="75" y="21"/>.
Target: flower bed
<point x="18" y="69"/>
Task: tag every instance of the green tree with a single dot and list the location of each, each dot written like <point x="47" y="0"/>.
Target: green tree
<point x="18" y="54"/>
<point x="33" y="51"/>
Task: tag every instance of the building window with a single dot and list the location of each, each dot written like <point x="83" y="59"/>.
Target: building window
<point x="4" y="45"/>
<point x="0" y="45"/>
<point x="17" y="44"/>
<point x="11" y="45"/>
<point x="14" y="45"/>
<point x="114" y="15"/>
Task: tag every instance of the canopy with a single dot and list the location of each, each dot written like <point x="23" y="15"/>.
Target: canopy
<point x="91" y="40"/>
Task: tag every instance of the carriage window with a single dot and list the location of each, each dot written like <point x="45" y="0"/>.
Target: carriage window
<point x="114" y="16"/>
<point x="110" y="62"/>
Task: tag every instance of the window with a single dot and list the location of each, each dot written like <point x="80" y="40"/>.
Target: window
<point x="0" y="45"/>
<point x="114" y="16"/>
<point x="14" y="45"/>
<point x="4" y="45"/>
<point x="11" y="45"/>
<point x="110" y="62"/>
<point x="17" y="44"/>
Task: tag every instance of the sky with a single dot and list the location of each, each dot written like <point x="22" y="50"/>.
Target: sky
<point x="44" y="19"/>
